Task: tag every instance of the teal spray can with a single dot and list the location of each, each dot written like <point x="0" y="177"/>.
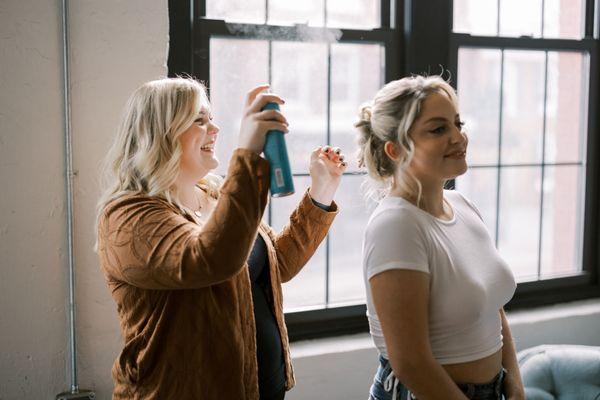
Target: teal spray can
<point x="276" y="153"/>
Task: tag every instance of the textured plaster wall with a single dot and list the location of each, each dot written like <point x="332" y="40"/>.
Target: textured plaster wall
<point x="115" y="46"/>
<point x="32" y="206"/>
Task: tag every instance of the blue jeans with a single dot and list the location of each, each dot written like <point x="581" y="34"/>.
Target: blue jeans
<point x="382" y="390"/>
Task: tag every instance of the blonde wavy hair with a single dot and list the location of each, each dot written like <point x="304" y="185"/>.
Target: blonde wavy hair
<point x="145" y="154"/>
<point x="389" y="117"/>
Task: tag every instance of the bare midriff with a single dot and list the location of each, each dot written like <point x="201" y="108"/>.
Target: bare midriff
<point x="478" y="371"/>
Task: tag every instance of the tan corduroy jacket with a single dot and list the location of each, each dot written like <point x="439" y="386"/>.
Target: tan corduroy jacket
<point x="183" y="290"/>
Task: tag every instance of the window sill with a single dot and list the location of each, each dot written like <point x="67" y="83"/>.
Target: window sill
<point x="518" y="320"/>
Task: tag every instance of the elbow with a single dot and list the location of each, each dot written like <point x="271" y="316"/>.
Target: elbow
<point x="228" y="271"/>
<point x="405" y="368"/>
<point x="402" y="367"/>
<point x="229" y="265"/>
<point x="284" y="275"/>
<point x="287" y="270"/>
<point x="200" y="267"/>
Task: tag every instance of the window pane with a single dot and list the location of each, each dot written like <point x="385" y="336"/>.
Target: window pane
<point x="248" y="11"/>
<point x="518" y="219"/>
<point x="230" y="81"/>
<point x="348" y="92"/>
<point x="345" y="275"/>
<point x="477" y="17"/>
<point x="480" y="186"/>
<point x="523" y="106"/>
<point x="521" y="18"/>
<point x="358" y="14"/>
<point x="479" y="96"/>
<point x="307" y="289"/>
<point x="564" y="18"/>
<point x="309" y="12"/>
<point x="562" y="237"/>
<point x="597" y="21"/>
<point x="300" y="77"/>
<point x="566" y="107"/>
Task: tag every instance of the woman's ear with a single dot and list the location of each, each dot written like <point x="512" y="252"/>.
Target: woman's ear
<point x="391" y="150"/>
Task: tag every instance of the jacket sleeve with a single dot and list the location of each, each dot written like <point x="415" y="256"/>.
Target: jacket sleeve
<point x="147" y="243"/>
<point x="300" y="238"/>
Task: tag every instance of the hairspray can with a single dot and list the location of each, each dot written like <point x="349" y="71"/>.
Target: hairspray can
<point x="276" y="153"/>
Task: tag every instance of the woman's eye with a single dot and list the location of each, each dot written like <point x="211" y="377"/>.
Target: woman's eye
<point x="460" y="124"/>
<point x="439" y="129"/>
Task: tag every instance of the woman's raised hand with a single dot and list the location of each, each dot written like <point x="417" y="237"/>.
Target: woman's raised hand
<point x="326" y="168"/>
<point x="256" y="123"/>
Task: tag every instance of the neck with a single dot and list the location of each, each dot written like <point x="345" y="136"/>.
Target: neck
<point x="432" y="196"/>
<point x="185" y="190"/>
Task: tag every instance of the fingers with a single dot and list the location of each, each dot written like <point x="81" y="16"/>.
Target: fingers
<point x="261" y="99"/>
<point x="271" y="115"/>
<point x="273" y="125"/>
<point x="333" y="154"/>
<point x="335" y="150"/>
<point x="251" y="95"/>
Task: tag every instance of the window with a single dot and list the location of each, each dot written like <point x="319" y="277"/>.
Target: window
<point x="523" y="78"/>
<point x="527" y="77"/>
<point x="312" y="53"/>
<point x="316" y="74"/>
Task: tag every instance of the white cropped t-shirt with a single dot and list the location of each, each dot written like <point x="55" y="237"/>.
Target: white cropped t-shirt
<point x="469" y="281"/>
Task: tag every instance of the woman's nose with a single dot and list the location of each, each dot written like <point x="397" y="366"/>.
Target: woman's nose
<point x="213" y="128"/>
<point x="459" y="135"/>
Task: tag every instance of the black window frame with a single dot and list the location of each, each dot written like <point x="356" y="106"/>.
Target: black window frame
<point x="586" y="285"/>
<point x="418" y="38"/>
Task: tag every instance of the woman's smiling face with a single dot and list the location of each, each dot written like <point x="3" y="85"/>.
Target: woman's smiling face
<point x="440" y="143"/>
<point x="197" y="145"/>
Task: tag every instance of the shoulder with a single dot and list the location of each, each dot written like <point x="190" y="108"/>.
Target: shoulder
<point x="454" y="195"/>
<point x="129" y="205"/>
<point x="458" y="199"/>
<point x="396" y="217"/>
<point x="457" y="196"/>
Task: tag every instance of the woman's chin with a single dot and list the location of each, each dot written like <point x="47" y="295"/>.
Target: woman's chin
<point x="205" y="167"/>
<point x="209" y="161"/>
<point x="457" y="172"/>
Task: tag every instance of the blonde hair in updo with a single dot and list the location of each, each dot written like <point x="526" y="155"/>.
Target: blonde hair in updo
<point x="389" y="117"/>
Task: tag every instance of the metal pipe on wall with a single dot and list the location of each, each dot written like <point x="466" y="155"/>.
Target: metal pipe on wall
<point x="74" y="393"/>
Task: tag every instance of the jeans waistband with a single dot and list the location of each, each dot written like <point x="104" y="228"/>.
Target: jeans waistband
<point x="494" y="386"/>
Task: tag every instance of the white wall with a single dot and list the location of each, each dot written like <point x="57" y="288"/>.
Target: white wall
<point x="115" y="46"/>
<point x="32" y="228"/>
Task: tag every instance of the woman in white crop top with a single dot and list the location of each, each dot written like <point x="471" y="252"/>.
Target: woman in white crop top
<point x="436" y="285"/>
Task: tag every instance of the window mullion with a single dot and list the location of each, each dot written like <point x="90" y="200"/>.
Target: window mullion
<point x="541" y="222"/>
<point x="328" y="141"/>
<point x="270" y="77"/>
<point x="498" y="17"/>
<point x="498" y="172"/>
<point x="589" y="18"/>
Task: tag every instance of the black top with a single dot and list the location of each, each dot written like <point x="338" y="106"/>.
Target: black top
<point x="269" y="353"/>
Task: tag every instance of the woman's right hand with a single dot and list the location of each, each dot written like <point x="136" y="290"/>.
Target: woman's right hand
<point x="256" y="123"/>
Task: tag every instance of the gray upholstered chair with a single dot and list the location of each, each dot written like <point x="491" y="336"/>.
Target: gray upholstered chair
<point x="562" y="372"/>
